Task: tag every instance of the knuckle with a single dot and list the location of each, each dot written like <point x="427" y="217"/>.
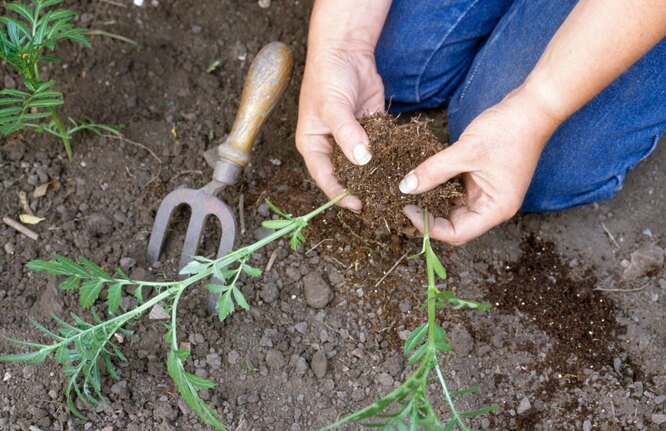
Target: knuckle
<point x="457" y="242"/>
<point x="344" y="133"/>
<point x="300" y="144"/>
<point x="509" y="210"/>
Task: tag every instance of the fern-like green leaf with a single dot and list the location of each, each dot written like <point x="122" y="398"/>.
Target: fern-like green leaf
<point x="114" y="297"/>
<point x="89" y="292"/>
<point x="187" y="385"/>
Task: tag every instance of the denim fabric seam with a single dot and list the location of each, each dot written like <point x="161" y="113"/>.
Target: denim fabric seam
<point x="439" y="46"/>
<point x="655" y="142"/>
<point x="482" y="52"/>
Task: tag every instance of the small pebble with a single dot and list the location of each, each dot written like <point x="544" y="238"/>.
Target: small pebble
<point x="317" y="292"/>
<point x="127" y="262"/>
<point x="157" y="313"/>
<point x="524" y="406"/>
<point x="213" y="360"/>
<point x="301" y="366"/>
<point x="319" y="363"/>
<point x="648" y="258"/>
<point x="275" y="359"/>
<point x="358" y="353"/>
<point x="301" y="327"/>
<point x="233" y="357"/>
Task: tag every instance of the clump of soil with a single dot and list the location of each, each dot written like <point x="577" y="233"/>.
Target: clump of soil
<point x="582" y="321"/>
<point x="396" y="150"/>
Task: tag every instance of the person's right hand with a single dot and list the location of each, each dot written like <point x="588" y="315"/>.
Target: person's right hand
<point x="340" y="84"/>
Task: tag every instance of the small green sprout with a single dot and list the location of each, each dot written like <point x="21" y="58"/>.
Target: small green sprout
<point x="27" y="39"/>
<point x="80" y="346"/>
<point x="408" y="407"/>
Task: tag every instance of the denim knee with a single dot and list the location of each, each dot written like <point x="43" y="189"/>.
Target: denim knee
<point x="427" y="46"/>
<point x="587" y="158"/>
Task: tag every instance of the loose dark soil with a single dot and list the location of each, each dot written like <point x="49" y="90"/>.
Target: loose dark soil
<point x="541" y="286"/>
<point x="396" y="150"/>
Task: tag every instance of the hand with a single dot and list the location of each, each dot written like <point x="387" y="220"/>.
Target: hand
<point x="340" y="84"/>
<point x="496" y="155"/>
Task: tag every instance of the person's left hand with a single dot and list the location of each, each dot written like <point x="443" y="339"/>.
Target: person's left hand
<point x="496" y="155"/>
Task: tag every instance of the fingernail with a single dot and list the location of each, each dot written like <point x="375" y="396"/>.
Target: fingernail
<point x="412" y="211"/>
<point x="361" y="154"/>
<point x="409" y="183"/>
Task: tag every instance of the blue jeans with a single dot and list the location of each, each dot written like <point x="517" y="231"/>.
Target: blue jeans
<point x="468" y="54"/>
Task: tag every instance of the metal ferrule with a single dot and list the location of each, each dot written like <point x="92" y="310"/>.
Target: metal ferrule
<point x="226" y="171"/>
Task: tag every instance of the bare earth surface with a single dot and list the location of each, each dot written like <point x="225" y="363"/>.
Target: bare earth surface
<point x="537" y="365"/>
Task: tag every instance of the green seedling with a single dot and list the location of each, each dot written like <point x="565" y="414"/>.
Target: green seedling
<point x="408" y="408"/>
<point x="27" y="40"/>
<point x="82" y="347"/>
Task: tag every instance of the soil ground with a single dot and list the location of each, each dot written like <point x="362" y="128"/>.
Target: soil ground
<point x="261" y="360"/>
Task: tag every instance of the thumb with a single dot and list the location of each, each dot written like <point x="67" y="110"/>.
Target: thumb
<point x="348" y="133"/>
<point x="435" y="170"/>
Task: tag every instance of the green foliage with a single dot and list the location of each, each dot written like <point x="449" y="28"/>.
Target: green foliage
<point x="188" y="384"/>
<point x="81" y="347"/>
<point x="19" y="106"/>
<point x="408" y="406"/>
<point x="25" y="38"/>
<point x="296" y="238"/>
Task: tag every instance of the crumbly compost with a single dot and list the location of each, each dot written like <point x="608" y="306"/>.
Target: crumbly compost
<point x="581" y="320"/>
<point x="396" y="150"/>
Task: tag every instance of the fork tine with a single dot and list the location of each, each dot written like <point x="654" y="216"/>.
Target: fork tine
<point x="172" y="201"/>
<point x="193" y="234"/>
<point x="228" y="224"/>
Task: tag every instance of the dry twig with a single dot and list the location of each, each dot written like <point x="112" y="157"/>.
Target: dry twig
<point x="143" y="147"/>
<point x="395" y="265"/>
<point x="23" y="201"/>
<point x="115" y="3"/>
<point x="21" y="228"/>
<point x="241" y="212"/>
<point x="603" y="289"/>
<point x="271" y="261"/>
<point x="318" y="244"/>
<point x="610" y="235"/>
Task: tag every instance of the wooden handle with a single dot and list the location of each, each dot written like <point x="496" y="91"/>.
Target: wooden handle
<point x="268" y="77"/>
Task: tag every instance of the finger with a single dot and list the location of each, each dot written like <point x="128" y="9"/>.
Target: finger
<point x="462" y="226"/>
<point x="348" y="133"/>
<point x="435" y="170"/>
<point x="374" y="104"/>
<point x="320" y="167"/>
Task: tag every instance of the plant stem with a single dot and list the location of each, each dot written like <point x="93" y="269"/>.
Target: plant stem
<point x="447" y="394"/>
<point x="64" y="135"/>
<point x="120" y="318"/>
<point x="174" y="308"/>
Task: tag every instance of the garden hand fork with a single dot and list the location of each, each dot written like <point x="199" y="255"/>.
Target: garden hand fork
<point x="266" y="81"/>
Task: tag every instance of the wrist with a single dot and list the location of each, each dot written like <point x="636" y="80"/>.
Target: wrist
<point x="543" y="97"/>
<point x="528" y="119"/>
<point x="347" y="24"/>
<point x="541" y="105"/>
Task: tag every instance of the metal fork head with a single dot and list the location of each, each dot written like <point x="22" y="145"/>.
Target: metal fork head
<point x="203" y="204"/>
